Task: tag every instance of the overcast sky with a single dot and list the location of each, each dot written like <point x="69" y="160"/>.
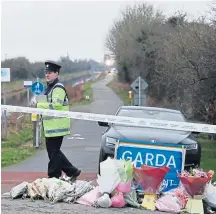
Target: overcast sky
<point x="49" y="29"/>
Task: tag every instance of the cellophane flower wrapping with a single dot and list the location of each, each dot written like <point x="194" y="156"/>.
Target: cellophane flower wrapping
<point x="126" y="172"/>
<point x="90" y="197"/>
<point x="150" y="178"/>
<point x="169" y="203"/>
<point x="195" y="180"/>
<point x="180" y="193"/>
<point x="109" y="176"/>
<point x="125" y="169"/>
<point x="181" y="196"/>
<point x="210" y="195"/>
<point x="118" y="200"/>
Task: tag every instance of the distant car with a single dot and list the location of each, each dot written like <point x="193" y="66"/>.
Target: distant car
<point x="113" y="70"/>
<point x="115" y="132"/>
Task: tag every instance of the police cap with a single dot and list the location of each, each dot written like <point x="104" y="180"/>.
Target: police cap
<point x="49" y="66"/>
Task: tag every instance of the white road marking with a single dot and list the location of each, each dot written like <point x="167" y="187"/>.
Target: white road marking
<point x="79" y="138"/>
<point x="92" y="149"/>
<point x="75" y="137"/>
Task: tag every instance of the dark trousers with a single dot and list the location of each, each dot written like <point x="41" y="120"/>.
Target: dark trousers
<point x="57" y="160"/>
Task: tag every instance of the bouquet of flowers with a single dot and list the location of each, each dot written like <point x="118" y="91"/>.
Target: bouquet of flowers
<point x="194" y="182"/>
<point x="108" y="180"/>
<point x="125" y="169"/>
<point x="181" y="196"/>
<point x="150" y="179"/>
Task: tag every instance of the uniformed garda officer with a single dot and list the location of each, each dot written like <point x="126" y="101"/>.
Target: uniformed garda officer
<point x="55" y="128"/>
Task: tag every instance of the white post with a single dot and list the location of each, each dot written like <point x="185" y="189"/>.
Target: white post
<point x="37" y="133"/>
<point x="28" y="102"/>
<point x="37" y="128"/>
<point x="139" y="91"/>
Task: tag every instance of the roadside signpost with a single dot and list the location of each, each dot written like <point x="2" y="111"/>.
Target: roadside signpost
<point x="139" y="85"/>
<point x="37" y="88"/>
<point x="5" y="77"/>
<point x="140" y="100"/>
<point x="27" y="84"/>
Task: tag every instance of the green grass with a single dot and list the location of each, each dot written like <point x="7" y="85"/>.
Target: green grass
<point x="12" y="156"/>
<point x="17" y="147"/>
<point x="15" y="140"/>
<point x="208" y="157"/>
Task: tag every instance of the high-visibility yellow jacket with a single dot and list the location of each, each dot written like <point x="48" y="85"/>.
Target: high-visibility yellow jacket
<point x="56" y="99"/>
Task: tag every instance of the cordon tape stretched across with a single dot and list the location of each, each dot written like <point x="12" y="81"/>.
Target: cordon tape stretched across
<point x="129" y="121"/>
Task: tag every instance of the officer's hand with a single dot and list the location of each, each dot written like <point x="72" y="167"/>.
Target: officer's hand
<point x="33" y="104"/>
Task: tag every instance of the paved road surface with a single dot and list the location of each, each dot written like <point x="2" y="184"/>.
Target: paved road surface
<point x="82" y="149"/>
<point x="26" y="207"/>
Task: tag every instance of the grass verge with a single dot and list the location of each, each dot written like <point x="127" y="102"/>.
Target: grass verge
<point x="121" y="92"/>
<point x="208" y="156"/>
<point x="18" y="146"/>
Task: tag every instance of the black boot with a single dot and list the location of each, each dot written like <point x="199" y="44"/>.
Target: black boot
<point x="74" y="177"/>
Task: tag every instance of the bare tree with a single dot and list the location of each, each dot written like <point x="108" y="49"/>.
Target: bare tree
<point x="175" y="56"/>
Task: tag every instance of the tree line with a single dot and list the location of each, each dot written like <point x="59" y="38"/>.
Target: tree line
<point x="22" y="69"/>
<point x="175" y="55"/>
